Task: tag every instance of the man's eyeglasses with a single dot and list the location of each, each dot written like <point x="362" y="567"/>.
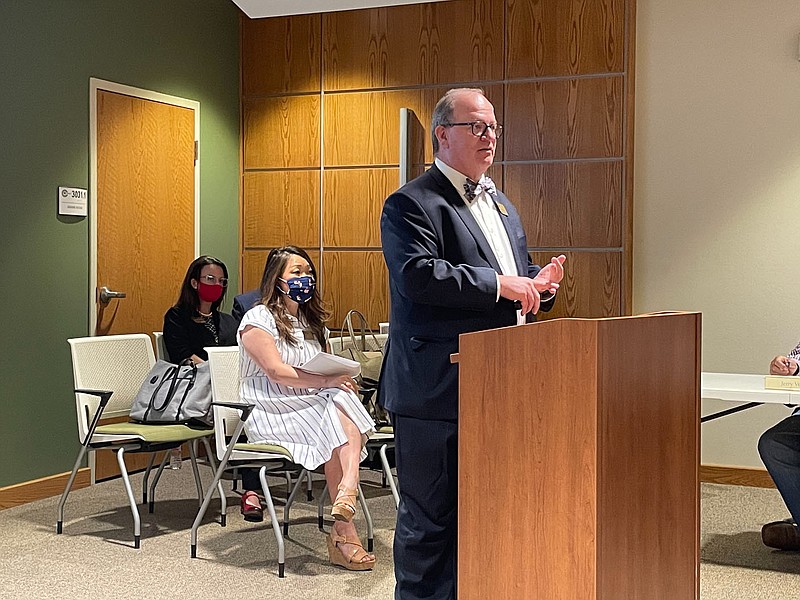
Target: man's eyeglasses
<point x="211" y="280"/>
<point x="479" y="128"/>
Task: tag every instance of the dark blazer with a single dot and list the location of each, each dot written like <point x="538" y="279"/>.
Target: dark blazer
<point x="183" y="336"/>
<point x="442" y="283"/>
<point x="244" y="302"/>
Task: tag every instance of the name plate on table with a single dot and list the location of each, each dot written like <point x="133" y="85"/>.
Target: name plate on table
<point x="778" y="382"/>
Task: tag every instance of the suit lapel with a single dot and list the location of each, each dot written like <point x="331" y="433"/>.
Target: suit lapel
<point x="452" y="196"/>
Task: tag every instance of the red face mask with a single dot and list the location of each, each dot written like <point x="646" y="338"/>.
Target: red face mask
<point x="209" y="293"/>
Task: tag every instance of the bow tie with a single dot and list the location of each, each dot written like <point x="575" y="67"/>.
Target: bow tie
<point x="472" y="188"/>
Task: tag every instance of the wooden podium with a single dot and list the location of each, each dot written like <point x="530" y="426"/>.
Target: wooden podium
<point x="578" y="460"/>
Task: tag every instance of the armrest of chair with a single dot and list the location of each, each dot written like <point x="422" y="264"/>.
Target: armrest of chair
<point x="245" y="409"/>
<point x="105" y="396"/>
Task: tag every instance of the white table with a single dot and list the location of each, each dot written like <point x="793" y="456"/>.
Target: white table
<point x="739" y="387"/>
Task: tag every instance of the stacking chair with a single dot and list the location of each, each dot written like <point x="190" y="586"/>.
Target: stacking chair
<point x="161" y="346"/>
<point x="230" y="415"/>
<point x="107" y="373"/>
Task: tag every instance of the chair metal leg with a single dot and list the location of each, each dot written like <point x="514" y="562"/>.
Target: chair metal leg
<point x="367" y="517"/>
<point x="289" y="501"/>
<point x="137" y="524"/>
<point x="321" y="506"/>
<point x="196" y="471"/>
<point x="147" y="476"/>
<point x="276" y="527"/>
<point x="210" y="492"/>
<point x="152" y="503"/>
<point x="70" y="481"/>
<point x="310" y="488"/>
<point x="222" y="499"/>
<point x="387" y="474"/>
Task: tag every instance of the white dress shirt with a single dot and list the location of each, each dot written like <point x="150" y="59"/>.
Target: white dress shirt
<point x="487" y="215"/>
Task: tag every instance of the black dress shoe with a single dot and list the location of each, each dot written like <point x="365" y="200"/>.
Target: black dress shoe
<point x="251" y="507"/>
<point x="781" y="535"/>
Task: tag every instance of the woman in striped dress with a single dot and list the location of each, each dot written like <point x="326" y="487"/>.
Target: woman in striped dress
<point x="318" y="418"/>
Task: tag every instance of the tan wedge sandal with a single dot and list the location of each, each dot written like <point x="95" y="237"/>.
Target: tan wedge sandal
<point x="344" y="507"/>
<point x="355" y="562"/>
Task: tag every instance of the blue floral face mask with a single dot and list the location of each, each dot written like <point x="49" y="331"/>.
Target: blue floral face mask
<point x="301" y="289"/>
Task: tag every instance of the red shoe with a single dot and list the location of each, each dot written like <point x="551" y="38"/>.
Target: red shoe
<point x="251" y="507"/>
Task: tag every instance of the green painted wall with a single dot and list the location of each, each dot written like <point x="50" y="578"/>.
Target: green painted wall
<point x="48" y="51"/>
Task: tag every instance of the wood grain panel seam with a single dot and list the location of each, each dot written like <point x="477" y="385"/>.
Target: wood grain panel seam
<point x="549" y="161"/>
<point x="452" y="84"/>
<point x="277" y="169"/>
<point x="280" y="95"/>
<point x="352" y="248"/>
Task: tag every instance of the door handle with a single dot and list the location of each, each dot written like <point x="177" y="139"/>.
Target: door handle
<point x="106" y="295"/>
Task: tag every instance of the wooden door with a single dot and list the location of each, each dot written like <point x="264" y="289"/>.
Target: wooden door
<point x="145" y="209"/>
<point x="145" y="216"/>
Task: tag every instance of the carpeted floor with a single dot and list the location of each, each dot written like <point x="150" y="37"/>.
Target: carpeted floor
<point x="95" y="556"/>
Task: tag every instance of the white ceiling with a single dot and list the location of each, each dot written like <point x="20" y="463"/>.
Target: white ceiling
<point x="276" y="8"/>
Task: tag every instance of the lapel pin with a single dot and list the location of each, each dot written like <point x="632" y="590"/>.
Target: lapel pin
<point x="502" y="209"/>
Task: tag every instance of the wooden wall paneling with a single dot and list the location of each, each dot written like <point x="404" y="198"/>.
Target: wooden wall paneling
<point x="352" y="205"/>
<point x="362" y="129"/>
<point x="252" y="268"/>
<point x="569" y="37"/>
<point x="575" y="118"/>
<point x="591" y="287"/>
<point x="280" y="55"/>
<point x="253" y="265"/>
<point x="419" y="44"/>
<point x="281" y="132"/>
<point x="629" y="108"/>
<point x="281" y="207"/>
<point x="568" y="204"/>
<point x="356" y="280"/>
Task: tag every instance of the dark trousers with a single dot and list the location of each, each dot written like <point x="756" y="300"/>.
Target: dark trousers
<point x="425" y="536"/>
<point x="250" y="480"/>
<point x="779" y="448"/>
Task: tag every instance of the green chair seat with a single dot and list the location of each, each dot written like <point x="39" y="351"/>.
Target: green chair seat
<point x="271" y="448"/>
<point x="155" y="434"/>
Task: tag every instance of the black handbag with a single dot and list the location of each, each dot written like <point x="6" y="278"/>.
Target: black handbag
<point x="174" y="394"/>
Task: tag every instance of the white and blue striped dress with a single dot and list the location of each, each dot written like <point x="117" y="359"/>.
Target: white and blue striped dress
<point x="302" y="420"/>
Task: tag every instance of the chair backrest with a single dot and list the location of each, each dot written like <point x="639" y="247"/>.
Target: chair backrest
<point x="338" y="344"/>
<point x="161" y="346"/>
<point x="223" y="362"/>
<point x="118" y="363"/>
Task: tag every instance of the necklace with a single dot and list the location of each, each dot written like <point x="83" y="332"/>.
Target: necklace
<point x="202" y="314"/>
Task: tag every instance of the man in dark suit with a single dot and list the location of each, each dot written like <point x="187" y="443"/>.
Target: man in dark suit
<point x="458" y="262"/>
<point x="244" y="302"/>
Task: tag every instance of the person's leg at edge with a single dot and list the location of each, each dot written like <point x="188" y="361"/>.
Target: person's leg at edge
<point x="342" y="469"/>
<point x="251" y="507"/>
<point x="426" y="531"/>
<point x="779" y="448"/>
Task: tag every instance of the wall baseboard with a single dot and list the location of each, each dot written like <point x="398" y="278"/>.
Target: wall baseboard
<point x="36" y="489"/>
<point x="28" y="491"/>
<point x="736" y="476"/>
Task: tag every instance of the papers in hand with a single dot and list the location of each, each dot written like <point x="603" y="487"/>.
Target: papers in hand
<point x="330" y="364"/>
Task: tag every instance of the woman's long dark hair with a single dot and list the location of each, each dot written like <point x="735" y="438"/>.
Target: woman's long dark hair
<point x="188" y="298"/>
<point x="313" y="313"/>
